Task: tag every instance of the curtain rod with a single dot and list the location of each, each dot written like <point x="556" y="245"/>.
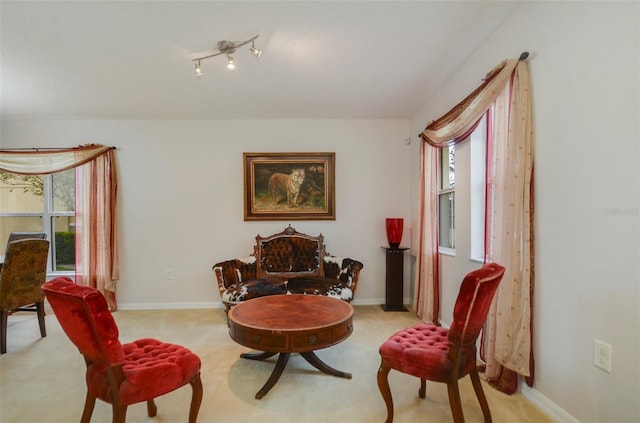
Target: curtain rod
<point x="44" y="148"/>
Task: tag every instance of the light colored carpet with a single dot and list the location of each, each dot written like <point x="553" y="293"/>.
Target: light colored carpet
<point x="42" y="379"/>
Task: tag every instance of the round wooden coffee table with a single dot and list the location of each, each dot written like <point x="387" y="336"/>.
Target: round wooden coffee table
<point x="285" y="324"/>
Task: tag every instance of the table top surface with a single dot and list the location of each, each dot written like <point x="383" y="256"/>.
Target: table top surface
<point x="282" y="313"/>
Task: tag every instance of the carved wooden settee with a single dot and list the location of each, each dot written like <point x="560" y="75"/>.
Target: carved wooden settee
<point x="288" y="262"/>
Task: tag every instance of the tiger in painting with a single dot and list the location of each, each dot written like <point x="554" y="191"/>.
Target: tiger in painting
<point x="290" y="184"/>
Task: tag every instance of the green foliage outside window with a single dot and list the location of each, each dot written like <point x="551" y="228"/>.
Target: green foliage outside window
<point x="65" y="250"/>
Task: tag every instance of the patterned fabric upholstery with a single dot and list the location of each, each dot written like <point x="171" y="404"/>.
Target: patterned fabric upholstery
<point x="120" y="374"/>
<point x="312" y="285"/>
<point x="287" y="263"/>
<point x="23" y="273"/>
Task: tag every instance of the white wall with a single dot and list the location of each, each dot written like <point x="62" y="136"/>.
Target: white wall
<point x="585" y="74"/>
<point x="181" y="195"/>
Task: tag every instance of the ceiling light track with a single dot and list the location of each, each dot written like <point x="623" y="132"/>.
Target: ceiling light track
<point x="228" y="48"/>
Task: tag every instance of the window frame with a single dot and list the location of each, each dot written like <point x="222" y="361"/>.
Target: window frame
<point x="446" y="189"/>
<point x="478" y="188"/>
<point x="47" y="215"/>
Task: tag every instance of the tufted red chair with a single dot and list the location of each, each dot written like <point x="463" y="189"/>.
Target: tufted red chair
<point x="444" y="355"/>
<point x="120" y="374"/>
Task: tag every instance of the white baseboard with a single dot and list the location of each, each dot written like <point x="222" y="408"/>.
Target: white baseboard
<point x="377" y="301"/>
<point x="170" y="306"/>
<point x="214" y="304"/>
<point x="367" y="301"/>
<point x="546" y="405"/>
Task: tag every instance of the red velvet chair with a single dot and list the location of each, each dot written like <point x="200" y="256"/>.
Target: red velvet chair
<point x="444" y="355"/>
<point x="120" y="374"/>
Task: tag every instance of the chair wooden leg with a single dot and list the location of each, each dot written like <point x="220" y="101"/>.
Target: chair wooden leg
<point x="477" y="386"/>
<point x="152" y="409"/>
<point x="454" y="401"/>
<point x="383" y="386"/>
<point x="422" y="393"/>
<point x="40" y="312"/>
<point x="4" y="315"/>
<point x="196" y="398"/>
<point x="89" y="403"/>
<point x="119" y="413"/>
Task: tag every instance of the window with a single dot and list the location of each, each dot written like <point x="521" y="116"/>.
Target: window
<point x="447" y="198"/>
<point x="471" y="194"/>
<point x="41" y="203"/>
<point x="478" y="140"/>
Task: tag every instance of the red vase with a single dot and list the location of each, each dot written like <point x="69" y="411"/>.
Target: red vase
<point x="394" y="231"/>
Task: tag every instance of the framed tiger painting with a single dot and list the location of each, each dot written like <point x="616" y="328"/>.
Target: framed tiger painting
<point x="289" y="186"/>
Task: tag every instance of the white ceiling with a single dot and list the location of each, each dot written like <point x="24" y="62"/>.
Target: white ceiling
<point x="321" y="59"/>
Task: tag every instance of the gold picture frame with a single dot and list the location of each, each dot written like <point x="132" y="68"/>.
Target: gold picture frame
<point x="289" y="186"/>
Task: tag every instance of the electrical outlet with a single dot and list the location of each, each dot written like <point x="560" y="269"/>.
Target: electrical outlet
<point x="602" y="355"/>
<point x="168" y="274"/>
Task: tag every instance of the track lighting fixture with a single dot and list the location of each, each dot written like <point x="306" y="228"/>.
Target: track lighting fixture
<point x="228" y="48"/>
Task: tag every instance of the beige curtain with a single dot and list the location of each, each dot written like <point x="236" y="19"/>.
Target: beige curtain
<point x="509" y="241"/>
<point x="507" y="341"/>
<point x="427" y="297"/>
<point x="96" y="198"/>
<point x="97" y="262"/>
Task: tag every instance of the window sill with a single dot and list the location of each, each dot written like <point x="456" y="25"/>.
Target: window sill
<point x="447" y="251"/>
<point x="51" y="275"/>
<point x="476" y="259"/>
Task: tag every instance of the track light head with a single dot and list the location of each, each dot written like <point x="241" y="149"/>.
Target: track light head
<point x="256" y="51"/>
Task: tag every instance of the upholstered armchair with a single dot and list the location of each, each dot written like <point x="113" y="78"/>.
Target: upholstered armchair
<point x="23" y="272"/>
<point x="120" y="374"/>
<point x="437" y="354"/>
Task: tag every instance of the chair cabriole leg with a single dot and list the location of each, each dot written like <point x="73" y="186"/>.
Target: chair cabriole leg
<point x="196" y="398"/>
<point x="152" y="409"/>
<point x="40" y="312"/>
<point x="89" y="403"/>
<point x="482" y="399"/>
<point x="119" y="413"/>
<point x="385" y="390"/>
<point x="4" y="316"/>
<point x="454" y="401"/>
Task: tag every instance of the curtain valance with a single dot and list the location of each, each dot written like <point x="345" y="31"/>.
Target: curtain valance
<point x="461" y="120"/>
<point x="43" y="162"/>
